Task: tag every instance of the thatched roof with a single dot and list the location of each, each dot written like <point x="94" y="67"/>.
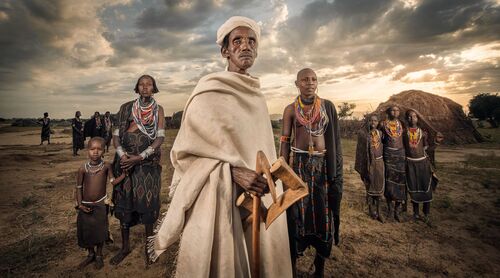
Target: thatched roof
<point x="445" y="115"/>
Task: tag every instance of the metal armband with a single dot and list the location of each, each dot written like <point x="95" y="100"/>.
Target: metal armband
<point x="147" y="152"/>
<point x="120" y="151"/>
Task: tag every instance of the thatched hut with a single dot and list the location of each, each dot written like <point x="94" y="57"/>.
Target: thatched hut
<point x="445" y="115"/>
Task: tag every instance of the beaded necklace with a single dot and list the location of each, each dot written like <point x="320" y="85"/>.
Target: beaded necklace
<point x="315" y="120"/>
<point x="107" y="123"/>
<point x="375" y="138"/>
<point x="98" y="122"/>
<point x="146" y="116"/>
<point x="93" y="169"/>
<point x="393" y="128"/>
<point x="414" y="136"/>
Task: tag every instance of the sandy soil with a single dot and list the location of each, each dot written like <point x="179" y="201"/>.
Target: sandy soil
<point x="38" y="222"/>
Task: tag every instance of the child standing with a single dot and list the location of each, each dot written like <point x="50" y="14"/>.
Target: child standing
<point x="92" y="220"/>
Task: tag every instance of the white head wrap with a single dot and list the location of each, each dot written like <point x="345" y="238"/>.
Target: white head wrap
<point x="234" y="22"/>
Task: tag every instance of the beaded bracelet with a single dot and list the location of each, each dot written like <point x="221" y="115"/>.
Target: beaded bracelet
<point x="285" y="139"/>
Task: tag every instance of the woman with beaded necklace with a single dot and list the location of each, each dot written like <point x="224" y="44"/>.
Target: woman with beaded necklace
<point x="310" y="136"/>
<point x="394" y="159"/>
<point x="420" y="178"/>
<point x="137" y="138"/>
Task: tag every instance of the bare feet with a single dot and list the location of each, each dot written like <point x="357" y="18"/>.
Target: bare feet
<point x="118" y="258"/>
<point x="336" y="238"/>
<point x="87" y="261"/>
<point x="99" y="263"/>
<point x="426" y="219"/>
<point x="416" y="217"/>
<point x="380" y="218"/>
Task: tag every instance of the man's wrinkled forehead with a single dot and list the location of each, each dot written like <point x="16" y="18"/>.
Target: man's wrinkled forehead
<point x="235" y="22"/>
<point x="242" y="31"/>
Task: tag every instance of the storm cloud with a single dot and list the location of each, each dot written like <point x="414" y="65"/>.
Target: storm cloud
<point x="88" y="54"/>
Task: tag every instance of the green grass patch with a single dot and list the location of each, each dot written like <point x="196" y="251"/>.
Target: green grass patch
<point x="27" y="201"/>
<point x="490" y="134"/>
<point x="482" y="161"/>
<point x="445" y="203"/>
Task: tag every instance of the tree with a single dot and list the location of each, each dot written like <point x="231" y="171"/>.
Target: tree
<point x="346" y="110"/>
<point x="486" y="107"/>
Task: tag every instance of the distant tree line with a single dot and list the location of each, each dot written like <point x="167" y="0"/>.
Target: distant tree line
<point x="486" y="107"/>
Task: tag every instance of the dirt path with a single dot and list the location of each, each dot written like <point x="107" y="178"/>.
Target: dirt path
<point x="37" y="220"/>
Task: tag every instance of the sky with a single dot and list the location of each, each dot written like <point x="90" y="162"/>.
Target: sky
<point x="59" y="56"/>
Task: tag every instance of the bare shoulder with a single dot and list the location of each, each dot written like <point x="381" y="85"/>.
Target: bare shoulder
<point x="160" y="110"/>
<point x="81" y="169"/>
<point x="289" y="110"/>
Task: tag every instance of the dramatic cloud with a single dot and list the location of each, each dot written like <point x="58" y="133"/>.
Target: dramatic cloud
<point x="59" y="56"/>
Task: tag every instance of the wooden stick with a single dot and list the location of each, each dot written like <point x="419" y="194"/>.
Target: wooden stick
<point x="255" y="269"/>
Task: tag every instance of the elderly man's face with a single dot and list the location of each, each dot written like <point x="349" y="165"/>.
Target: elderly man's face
<point x="242" y="49"/>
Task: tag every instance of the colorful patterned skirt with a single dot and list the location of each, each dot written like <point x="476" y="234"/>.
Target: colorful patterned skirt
<point x="137" y="197"/>
<point x="310" y="219"/>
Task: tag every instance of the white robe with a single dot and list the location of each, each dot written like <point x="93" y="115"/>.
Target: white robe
<point x="225" y="123"/>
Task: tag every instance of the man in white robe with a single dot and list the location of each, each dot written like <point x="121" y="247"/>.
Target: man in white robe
<point x="225" y="124"/>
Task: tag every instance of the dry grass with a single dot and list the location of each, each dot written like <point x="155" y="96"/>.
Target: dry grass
<point x="39" y="235"/>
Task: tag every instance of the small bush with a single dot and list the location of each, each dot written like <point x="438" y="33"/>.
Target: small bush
<point x="27" y="201"/>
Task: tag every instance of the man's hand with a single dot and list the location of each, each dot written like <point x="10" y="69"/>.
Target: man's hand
<point x="129" y="161"/>
<point x="249" y="180"/>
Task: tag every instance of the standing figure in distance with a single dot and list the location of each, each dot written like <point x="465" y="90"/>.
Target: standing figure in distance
<point x="395" y="163"/>
<point x="94" y="126"/>
<point x="108" y="129"/>
<point x="45" y="122"/>
<point x="370" y="165"/>
<point x="78" y="137"/>
<point x="420" y="177"/>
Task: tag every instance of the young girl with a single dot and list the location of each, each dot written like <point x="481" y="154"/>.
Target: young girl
<point x="92" y="220"/>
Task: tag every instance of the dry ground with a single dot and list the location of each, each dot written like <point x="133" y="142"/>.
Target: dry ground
<point x="37" y="219"/>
